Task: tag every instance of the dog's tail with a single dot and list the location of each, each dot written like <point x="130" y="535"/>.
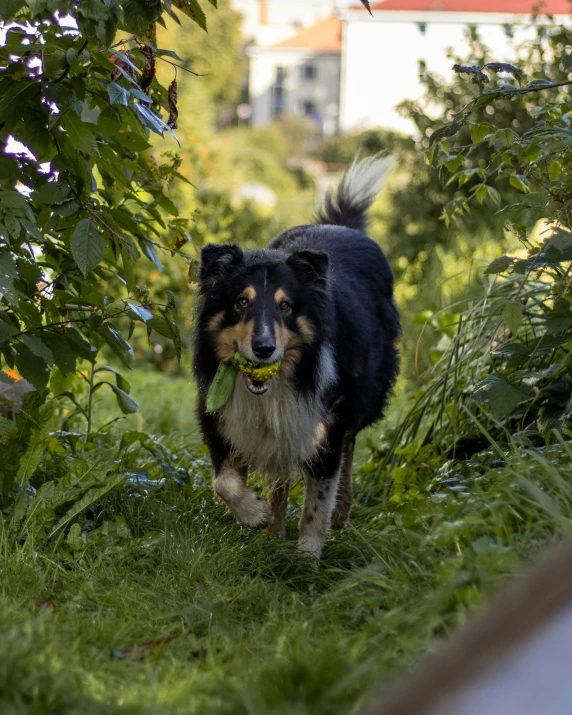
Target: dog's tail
<point x="360" y="183"/>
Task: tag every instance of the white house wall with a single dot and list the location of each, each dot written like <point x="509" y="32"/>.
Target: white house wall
<point x="381" y="59"/>
<point x="323" y="90"/>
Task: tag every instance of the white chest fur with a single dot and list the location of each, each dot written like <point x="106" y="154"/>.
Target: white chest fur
<point x="273" y="433"/>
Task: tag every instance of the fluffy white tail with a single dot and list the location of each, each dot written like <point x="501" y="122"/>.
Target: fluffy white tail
<point x="361" y="181"/>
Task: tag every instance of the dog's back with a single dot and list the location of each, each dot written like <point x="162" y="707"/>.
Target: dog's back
<point x="365" y="323"/>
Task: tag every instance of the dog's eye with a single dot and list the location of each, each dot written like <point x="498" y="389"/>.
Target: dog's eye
<point x="242" y="302"/>
<point x="284" y="305"/>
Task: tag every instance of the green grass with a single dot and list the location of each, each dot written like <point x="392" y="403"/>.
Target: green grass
<point x="256" y="628"/>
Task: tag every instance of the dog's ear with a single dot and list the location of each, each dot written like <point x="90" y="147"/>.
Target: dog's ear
<point x="311" y="267"/>
<point x="217" y="261"/>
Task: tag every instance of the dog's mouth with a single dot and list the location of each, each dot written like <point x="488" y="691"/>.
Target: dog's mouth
<point x="257" y="387"/>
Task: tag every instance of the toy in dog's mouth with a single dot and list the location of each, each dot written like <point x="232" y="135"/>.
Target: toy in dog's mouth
<point x="258" y="377"/>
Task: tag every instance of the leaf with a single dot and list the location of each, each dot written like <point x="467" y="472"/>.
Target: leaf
<point x="512" y="314"/>
<point x="127" y="404"/>
<point x="172" y="100"/>
<point x="12" y="200"/>
<point x="124" y="58"/>
<point x="499" y="265"/>
<point x="494" y="194"/>
<point x="141" y="313"/>
<point x="109" y="121"/>
<point x="88" y="246"/>
<point x="32" y="457"/>
<point x="192" y="9"/>
<point x="8" y="428"/>
<point x="479" y="132"/>
<point x="92" y="496"/>
<point x="448" y="130"/>
<point x="520" y="182"/>
<point x="118" y="344"/>
<point x="499" y="393"/>
<point x="6" y="332"/>
<point x="38" y="348"/>
<point x="504" y="67"/>
<point x="118" y="94"/>
<point x="31" y="367"/>
<point x="149" y="251"/>
<point x="79" y="133"/>
<point x="365" y="3"/>
<point x="507" y="136"/>
<point x="539" y="84"/>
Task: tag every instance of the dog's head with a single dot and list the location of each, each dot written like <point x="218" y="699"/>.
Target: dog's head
<point x="264" y="305"/>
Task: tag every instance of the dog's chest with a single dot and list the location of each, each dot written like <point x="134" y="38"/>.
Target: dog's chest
<point x="273" y="433"/>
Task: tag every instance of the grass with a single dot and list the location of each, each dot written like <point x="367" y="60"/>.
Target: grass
<point x="178" y="609"/>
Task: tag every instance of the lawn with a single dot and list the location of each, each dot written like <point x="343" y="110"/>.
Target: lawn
<point x="175" y="608"/>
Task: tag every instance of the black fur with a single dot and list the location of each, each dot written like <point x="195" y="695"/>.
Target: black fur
<point x="339" y="281"/>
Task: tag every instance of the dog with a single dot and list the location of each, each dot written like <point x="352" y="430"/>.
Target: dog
<point x="317" y="304"/>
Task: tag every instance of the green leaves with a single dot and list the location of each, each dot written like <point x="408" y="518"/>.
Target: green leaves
<point x="117" y="94"/>
<point x="73" y="209"/>
<point x="79" y="133"/>
<point x="88" y="246"/>
<point x="498" y="392"/>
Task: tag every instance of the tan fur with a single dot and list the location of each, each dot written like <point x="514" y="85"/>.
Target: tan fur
<point x="278" y="500"/>
<point x="293" y="345"/>
<point x="249" y="292"/>
<point x="215" y="322"/>
<point x="305" y="330"/>
<point x="235" y="337"/>
<point x="279" y="296"/>
<point x="344" y="497"/>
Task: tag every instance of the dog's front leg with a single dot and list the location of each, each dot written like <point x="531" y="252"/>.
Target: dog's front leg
<point x="244" y="503"/>
<point x="230" y="478"/>
<point x="321" y="477"/>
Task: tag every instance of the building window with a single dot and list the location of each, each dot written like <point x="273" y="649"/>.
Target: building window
<point x="422" y="27"/>
<point x="308" y="72"/>
<point x="278" y="93"/>
<point x="308" y="108"/>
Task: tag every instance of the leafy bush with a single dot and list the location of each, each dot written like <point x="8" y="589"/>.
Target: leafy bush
<point x="81" y="201"/>
<point x="506" y="374"/>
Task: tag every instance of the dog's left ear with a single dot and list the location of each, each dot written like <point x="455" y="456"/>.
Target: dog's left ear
<point x="311" y="267"/>
<point x="217" y="261"/>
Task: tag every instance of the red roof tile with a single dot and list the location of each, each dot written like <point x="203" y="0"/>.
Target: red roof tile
<point x="518" y="7"/>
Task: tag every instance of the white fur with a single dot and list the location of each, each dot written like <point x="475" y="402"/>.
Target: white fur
<point x="365" y="177"/>
<point x="274" y="432"/>
<point x="319" y="502"/>
<point x="244" y="503"/>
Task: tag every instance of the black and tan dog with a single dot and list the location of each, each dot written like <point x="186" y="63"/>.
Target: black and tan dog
<point x="319" y="299"/>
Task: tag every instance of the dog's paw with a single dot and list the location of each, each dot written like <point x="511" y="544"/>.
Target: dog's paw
<point x="311" y="545"/>
<point x="252" y="510"/>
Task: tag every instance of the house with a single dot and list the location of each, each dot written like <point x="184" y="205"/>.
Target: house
<point x="266" y="22"/>
<point x="348" y="71"/>
<point x="299" y="75"/>
<point x="385" y="56"/>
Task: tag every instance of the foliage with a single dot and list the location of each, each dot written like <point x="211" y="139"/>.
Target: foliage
<point x="216" y="57"/>
<point x="506" y="373"/>
<point x="81" y="197"/>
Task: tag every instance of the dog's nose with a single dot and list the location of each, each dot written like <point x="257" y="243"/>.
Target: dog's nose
<point x="263" y="349"/>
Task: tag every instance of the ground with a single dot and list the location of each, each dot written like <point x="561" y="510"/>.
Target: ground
<point x="178" y="609"/>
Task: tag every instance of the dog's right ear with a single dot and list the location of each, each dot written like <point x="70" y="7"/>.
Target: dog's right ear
<point x="216" y="262"/>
